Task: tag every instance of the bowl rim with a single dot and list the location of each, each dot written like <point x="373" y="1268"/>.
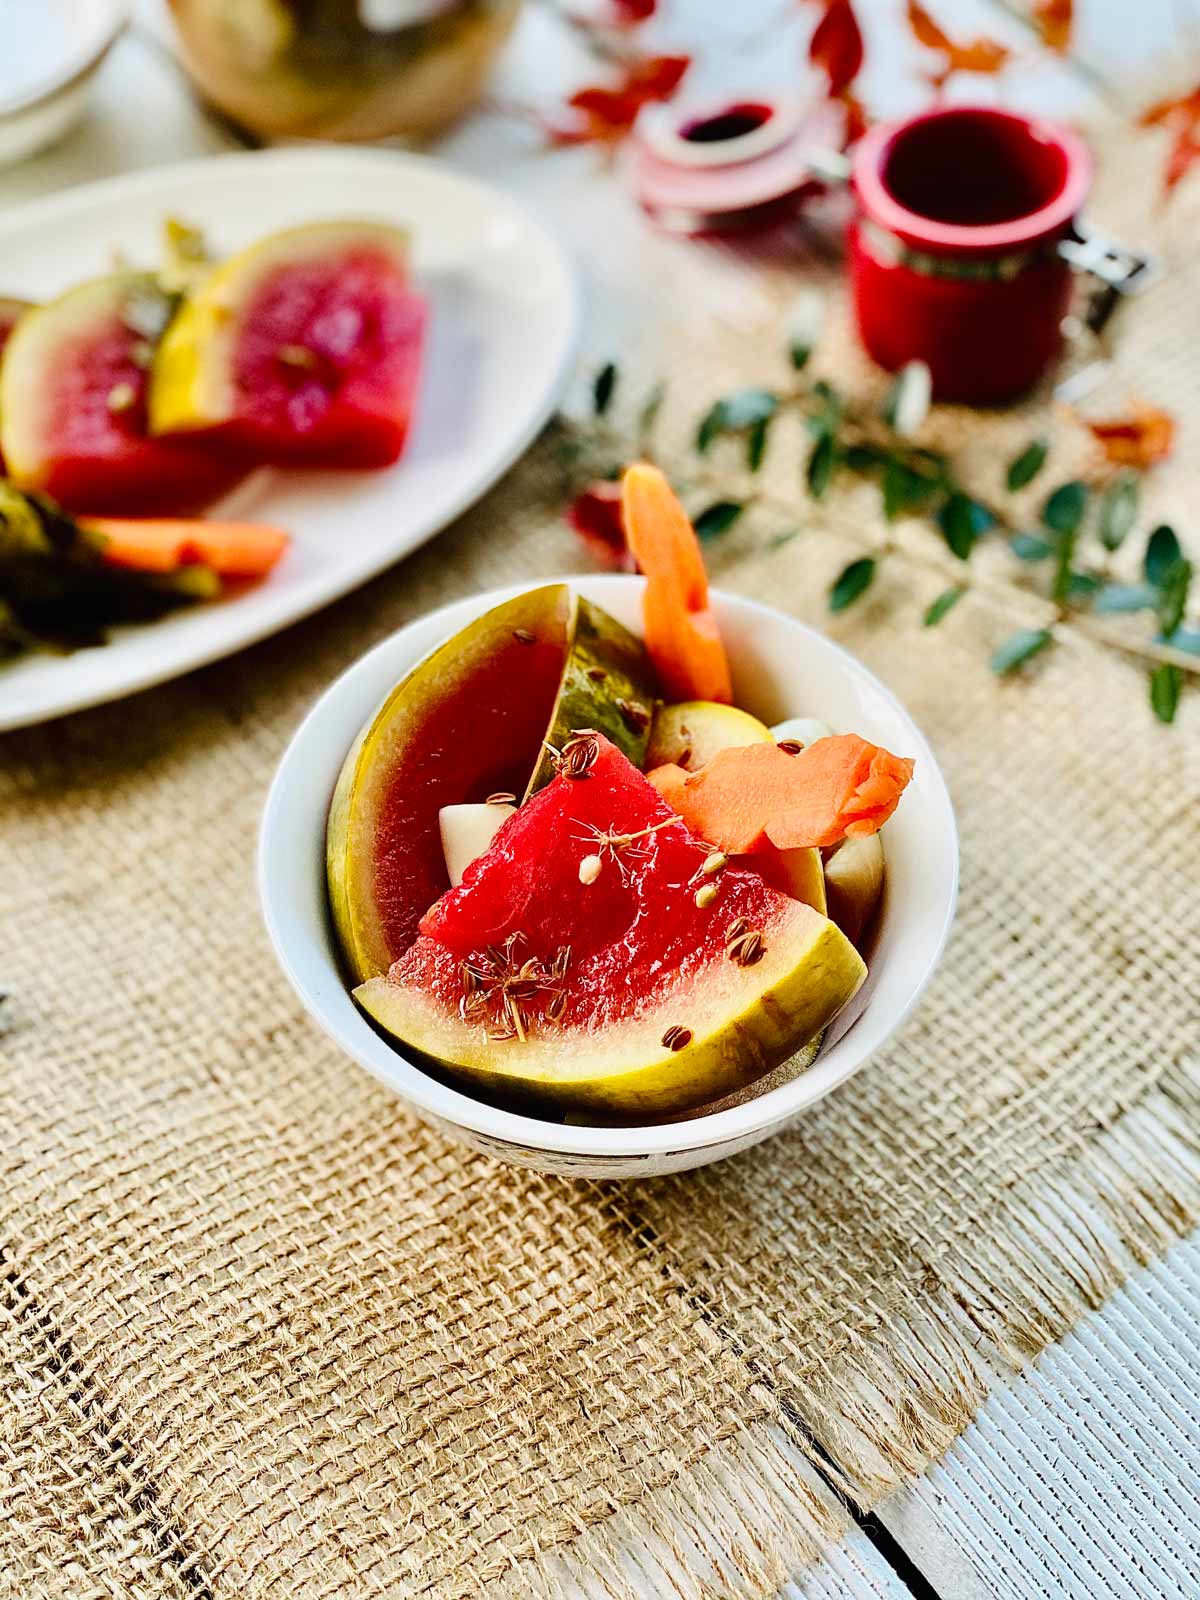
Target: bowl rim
<point x="106" y="19"/>
<point x="740" y="1123"/>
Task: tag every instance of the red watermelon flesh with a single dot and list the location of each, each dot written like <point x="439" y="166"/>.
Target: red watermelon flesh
<point x="348" y="399"/>
<point x="105" y="461"/>
<point x="648" y="987"/>
<point x="636" y="925"/>
<point x="482" y="740"/>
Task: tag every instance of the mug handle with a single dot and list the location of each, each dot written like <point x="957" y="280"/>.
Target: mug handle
<point x="1119" y="270"/>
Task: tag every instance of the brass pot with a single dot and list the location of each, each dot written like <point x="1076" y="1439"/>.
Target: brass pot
<point x="342" y="69"/>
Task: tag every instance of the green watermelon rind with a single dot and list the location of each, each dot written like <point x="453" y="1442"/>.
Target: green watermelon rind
<point x="607" y="685"/>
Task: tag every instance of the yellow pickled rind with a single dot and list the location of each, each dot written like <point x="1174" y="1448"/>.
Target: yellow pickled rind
<point x="743" y="1020"/>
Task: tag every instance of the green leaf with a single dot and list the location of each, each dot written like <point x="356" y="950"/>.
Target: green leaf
<point x="828" y="419"/>
<point x="1064" y="508"/>
<point x="603" y="387"/>
<point x="1023" y="469"/>
<point x="1118" y="510"/>
<point x="1082" y="586"/>
<point x="804" y="325"/>
<point x="749" y="406"/>
<point x="1173" y="595"/>
<point x="1162" y="553"/>
<point x="1029" y="547"/>
<point x="717" y="518"/>
<point x="864" y="457"/>
<point x="1064" y="555"/>
<point x="945" y="602"/>
<point x="712" y="424"/>
<point x="1166" y="685"/>
<point x="651" y="407"/>
<point x="1115" y="598"/>
<point x="962" y="520"/>
<point x="734" y="412"/>
<point x="820" y="467"/>
<point x="903" y="489"/>
<point x="1019" y="648"/>
<point x="851" y="582"/>
<point x="756" y="444"/>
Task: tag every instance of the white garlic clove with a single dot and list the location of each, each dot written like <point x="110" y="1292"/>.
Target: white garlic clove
<point x="467" y="833"/>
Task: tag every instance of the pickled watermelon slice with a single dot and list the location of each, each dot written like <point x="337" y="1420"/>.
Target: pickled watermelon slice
<point x="73" y="406"/>
<point x="658" y="980"/>
<point x="303" y="349"/>
<point x="467" y="722"/>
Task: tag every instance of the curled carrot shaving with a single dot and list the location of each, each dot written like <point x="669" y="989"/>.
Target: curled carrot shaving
<point x="756" y="796"/>
<point x="682" y="637"/>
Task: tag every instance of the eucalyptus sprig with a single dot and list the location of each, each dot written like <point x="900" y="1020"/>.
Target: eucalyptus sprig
<point x="1075" y="519"/>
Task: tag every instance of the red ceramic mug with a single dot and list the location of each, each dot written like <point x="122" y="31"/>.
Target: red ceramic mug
<point x="959" y="256"/>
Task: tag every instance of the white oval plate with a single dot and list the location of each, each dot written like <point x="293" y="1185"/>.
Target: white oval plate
<point x="503" y="319"/>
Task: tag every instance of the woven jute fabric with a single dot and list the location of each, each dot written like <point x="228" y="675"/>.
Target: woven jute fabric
<point x="265" y="1334"/>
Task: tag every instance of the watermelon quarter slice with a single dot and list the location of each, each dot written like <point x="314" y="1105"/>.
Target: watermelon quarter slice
<point x="73" y="406"/>
<point x="601" y="958"/>
<point x="303" y="349"/>
<point x="466" y="723"/>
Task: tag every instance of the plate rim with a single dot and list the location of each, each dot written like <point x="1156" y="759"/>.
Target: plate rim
<point x="350" y="574"/>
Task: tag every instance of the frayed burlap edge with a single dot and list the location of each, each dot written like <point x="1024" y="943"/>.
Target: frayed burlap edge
<point x="743" y="1520"/>
<point x="756" y="1510"/>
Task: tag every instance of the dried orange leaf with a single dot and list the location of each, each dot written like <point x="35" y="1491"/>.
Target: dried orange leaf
<point x="605" y="113"/>
<point x="1182" y="116"/>
<point x="1138" y="440"/>
<point x="1053" y="20"/>
<point x="981" y="54"/>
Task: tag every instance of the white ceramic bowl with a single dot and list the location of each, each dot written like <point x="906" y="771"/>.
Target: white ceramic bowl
<point x="51" y="50"/>
<point x="781" y="668"/>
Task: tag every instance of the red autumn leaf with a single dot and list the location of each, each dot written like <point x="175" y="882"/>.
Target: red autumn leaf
<point x="976" y="55"/>
<point x="1138" y="440"/>
<point x="1182" y="116"/>
<point x="837" y="45"/>
<point x="857" y="121"/>
<point x="608" y="113"/>
<point x="629" y="12"/>
<point x="1053" y="20"/>
<point x="596" y="517"/>
<point x="1182" y="157"/>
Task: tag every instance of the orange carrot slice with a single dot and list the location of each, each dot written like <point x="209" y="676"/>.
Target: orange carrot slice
<point x="682" y="637"/>
<point x="757" y="796"/>
<point x="669" y="780"/>
<point x="234" y="549"/>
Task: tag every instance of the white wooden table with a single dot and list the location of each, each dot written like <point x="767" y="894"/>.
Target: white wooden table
<point x="1082" y="1478"/>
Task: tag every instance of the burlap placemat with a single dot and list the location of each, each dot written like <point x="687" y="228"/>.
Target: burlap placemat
<point x="266" y="1334"/>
